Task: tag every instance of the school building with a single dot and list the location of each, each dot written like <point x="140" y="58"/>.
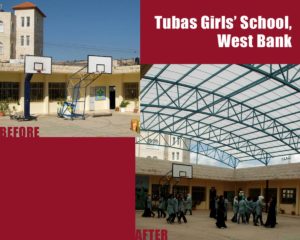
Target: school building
<point x="48" y="91"/>
<point x="236" y="122"/>
<point x="282" y="181"/>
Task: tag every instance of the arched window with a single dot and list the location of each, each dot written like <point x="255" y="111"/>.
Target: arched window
<point x="1" y="26"/>
<point x="1" y="48"/>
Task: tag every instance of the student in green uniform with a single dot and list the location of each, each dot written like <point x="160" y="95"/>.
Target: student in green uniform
<point x="188" y="204"/>
<point x="242" y="210"/>
<point x="170" y="209"/>
<point x="161" y="207"/>
<point x="235" y="207"/>
<point x="258" y="211"/>
<point x="181" y="210"/>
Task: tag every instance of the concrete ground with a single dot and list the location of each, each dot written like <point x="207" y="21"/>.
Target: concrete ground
<point x="200" y="226"/>
<point x="117" y="125"/>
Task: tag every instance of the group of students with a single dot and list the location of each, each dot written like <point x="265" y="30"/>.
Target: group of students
<point x="176" y="206"/>
<point x="243" y="208"/>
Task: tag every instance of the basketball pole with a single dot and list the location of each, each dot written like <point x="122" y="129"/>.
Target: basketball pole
<point x="28" y="78"/>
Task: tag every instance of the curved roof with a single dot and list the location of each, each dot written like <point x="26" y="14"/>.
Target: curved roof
<point x="231" y="113"/>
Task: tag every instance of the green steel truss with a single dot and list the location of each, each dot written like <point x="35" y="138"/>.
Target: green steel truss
<point x="178" y="103"/>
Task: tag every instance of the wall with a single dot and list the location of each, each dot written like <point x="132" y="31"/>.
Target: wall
<point x="38" y="34"/>
<point x="222" y="186"/>
<point x="24" y="31"/>
<point x="6" y="35"/>
<point x="47" y="107"/>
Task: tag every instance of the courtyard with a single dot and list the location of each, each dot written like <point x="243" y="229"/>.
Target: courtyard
<point x="200" y="226"/>
<point x="117" y="125"/>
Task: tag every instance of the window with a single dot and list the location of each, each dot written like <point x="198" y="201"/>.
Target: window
<point x="27" y="40"/>
<point x="178" y="141"/>
<point x="9" y="91"/>
<point x="23" y="21"/>
<point x="174" y="139"/>
<point x="288" y="195"/>
<point x="131" y="91"/>
<point x="22" y="40"/>
<point x="1" y="48"/>
<point x="37" y="91"/>
<point x="28" y="21"/>
<point x="155" y="192"/>
<point x="173" y="156"/>
<point x="1" y="26"/>
<point x="57" y="91"/>
<point x="177" y="156"/>
<point x="198" y="195"/>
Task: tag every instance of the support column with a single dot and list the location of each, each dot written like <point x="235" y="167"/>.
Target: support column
<point x="278" y="198"/>
<point x="28" y="78"/>
<point x="150" y="185"/>
<point x="267" y="194"/>
<point x="46" y="97"/>
<point x="171" y="188"/>
<point x="297" y="199"/>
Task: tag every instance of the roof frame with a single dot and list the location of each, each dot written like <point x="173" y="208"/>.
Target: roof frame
<point x="221" y="108"/>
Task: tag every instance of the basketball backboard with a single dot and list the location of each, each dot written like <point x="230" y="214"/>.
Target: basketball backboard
<point x="182" y="170"/>
<point x="99" y="64"/>
<point x="37" y="64"/>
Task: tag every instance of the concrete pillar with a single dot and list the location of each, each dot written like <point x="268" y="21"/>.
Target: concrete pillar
<point x="46" y="96"/>
<point x="278" y="199"/>
<point x="87" y="100"/>
<point x="297" y="198"/>
<point x="171" y="188"/>
<point x="150" y="185"/>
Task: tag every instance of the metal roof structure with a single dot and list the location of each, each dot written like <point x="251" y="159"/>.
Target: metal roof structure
<point x="231" y="113"/>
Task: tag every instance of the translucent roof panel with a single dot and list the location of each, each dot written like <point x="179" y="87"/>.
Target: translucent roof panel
<point x="247" y="112"/>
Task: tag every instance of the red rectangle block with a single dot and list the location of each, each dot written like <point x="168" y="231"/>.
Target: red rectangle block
<point x="201" y="45"/>
<point x="67" y="188"/>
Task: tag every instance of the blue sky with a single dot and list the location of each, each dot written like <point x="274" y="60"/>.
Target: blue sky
<point x="74" y="29"/>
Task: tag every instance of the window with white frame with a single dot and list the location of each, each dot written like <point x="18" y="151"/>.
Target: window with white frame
<point x="1" y="48"/>
<point x="1" y="26"/>
<point x="288" y="195"/>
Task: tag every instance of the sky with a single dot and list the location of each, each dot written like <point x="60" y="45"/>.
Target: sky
<point x="74" y="29"/>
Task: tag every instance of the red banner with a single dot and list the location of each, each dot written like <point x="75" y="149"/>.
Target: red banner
<point x="231" y="31"/>
<point x="67" y="188"/>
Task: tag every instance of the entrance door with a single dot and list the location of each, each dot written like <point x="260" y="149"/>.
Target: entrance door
<point x="112" y="97"/>
<point x="92" y="98"/>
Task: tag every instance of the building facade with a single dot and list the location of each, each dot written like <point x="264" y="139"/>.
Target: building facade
<point x="170" y="150"/>
<point x="21" y="32"/>
<point x="48" y="91"/>
<point x="280" y="181"/>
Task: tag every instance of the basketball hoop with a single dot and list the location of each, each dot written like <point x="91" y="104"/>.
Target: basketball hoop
<point x="39" y="71"/>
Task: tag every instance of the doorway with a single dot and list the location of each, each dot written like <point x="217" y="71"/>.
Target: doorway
<point x="112" y="97"/>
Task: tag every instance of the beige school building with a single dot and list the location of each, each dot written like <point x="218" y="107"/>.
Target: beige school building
<point x="48" y="91"/>
<point x="283" y="183"/>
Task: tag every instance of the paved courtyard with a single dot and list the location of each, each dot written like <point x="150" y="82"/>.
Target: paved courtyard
<point x="117" y="125"/>
<point x="200" y="226"/>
